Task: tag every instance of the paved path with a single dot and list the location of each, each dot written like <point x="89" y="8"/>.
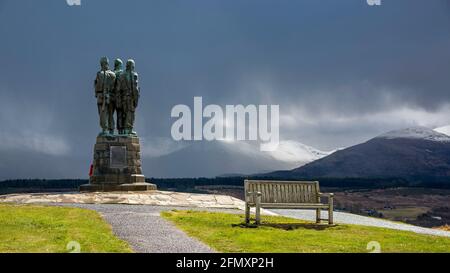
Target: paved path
<point x="144" y="229"/>
<point x="348" y="218"/>
<point x="159" y="198"/>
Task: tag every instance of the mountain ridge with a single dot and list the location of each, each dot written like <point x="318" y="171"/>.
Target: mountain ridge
<point x="216" y="158"/>
<point x="414" y="154"/>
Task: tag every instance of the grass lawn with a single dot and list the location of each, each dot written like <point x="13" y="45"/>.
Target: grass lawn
<point x="45" y="229"/>
<point x="227" y="233"/>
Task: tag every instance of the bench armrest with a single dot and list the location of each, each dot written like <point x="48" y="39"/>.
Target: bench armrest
<point x="252" y="193"/>
<point x="256" y="193"/>
<point x="321" y="194"/>
<point x="329" y="195"/>
<point x="330" y="199"/>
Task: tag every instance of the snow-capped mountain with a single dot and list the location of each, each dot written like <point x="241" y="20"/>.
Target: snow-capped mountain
<point x="296" y="152"/>
<point x="209" y="159"/>
<point x="443" y="130"/>
<point x="416" y="154"/>
<point x="418" y="133"/>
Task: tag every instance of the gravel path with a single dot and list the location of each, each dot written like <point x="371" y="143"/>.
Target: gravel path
<point x="348" y="218"/>
<point x="144" y="229"/>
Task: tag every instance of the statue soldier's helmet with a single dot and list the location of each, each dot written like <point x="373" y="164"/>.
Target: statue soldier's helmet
<point x="130" y="64"/>
<point x="104" y="62"/>
<point x="118" y="64"/>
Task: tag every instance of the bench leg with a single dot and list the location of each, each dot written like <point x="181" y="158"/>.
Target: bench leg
<point x="247" y="214"/>
<point x="318" y="216"/>
<point x="330" y="210"/>
<point x="258" y="210"/>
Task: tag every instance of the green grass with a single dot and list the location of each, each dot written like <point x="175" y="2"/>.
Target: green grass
<point x="41" y="229"/>
<point x="227" y="233"/>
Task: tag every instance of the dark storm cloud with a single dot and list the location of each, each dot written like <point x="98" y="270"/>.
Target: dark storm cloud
<point x="341" y="71"/>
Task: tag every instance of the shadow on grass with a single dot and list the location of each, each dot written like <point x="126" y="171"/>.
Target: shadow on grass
<point x="287" y="226"/>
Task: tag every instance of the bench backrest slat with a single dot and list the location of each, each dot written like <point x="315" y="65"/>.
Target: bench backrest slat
<point x="283" y="191"/>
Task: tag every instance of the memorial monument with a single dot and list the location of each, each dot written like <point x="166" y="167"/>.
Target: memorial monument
<point x="117" y="162"/>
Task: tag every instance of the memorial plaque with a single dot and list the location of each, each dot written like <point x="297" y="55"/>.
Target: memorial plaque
<point x="118" y="156"/>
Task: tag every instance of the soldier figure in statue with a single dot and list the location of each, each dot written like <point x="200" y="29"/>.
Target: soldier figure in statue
<point x="118" y="104"/>
<point x="116" y="164"/>
<point x="129" y="88"/>
<point x="104" y="85"/>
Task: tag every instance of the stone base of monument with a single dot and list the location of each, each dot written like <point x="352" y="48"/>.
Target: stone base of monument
<point x="117" y="166"/>
<point x="122" y="187"/>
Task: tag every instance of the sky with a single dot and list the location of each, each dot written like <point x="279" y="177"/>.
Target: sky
<point x="342" y="71"/>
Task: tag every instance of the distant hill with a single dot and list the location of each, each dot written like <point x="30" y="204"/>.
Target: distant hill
<point x="416" y="154"/>
<point x="221" y="158"/>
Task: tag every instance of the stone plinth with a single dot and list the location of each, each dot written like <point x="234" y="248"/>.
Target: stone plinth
<point x="117" y="166"/>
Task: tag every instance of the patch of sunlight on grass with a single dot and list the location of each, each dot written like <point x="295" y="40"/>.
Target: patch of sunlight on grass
<point x="227" y="233"/>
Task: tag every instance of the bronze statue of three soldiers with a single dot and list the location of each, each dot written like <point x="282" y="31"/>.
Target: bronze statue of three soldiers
<point x="117" y="92"/>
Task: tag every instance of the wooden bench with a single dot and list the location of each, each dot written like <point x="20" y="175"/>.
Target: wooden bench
<point x="286" y="195"/>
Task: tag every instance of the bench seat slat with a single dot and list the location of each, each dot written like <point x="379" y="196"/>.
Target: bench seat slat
<point x="287" y="206"/>
<point x="290" y="204"/>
